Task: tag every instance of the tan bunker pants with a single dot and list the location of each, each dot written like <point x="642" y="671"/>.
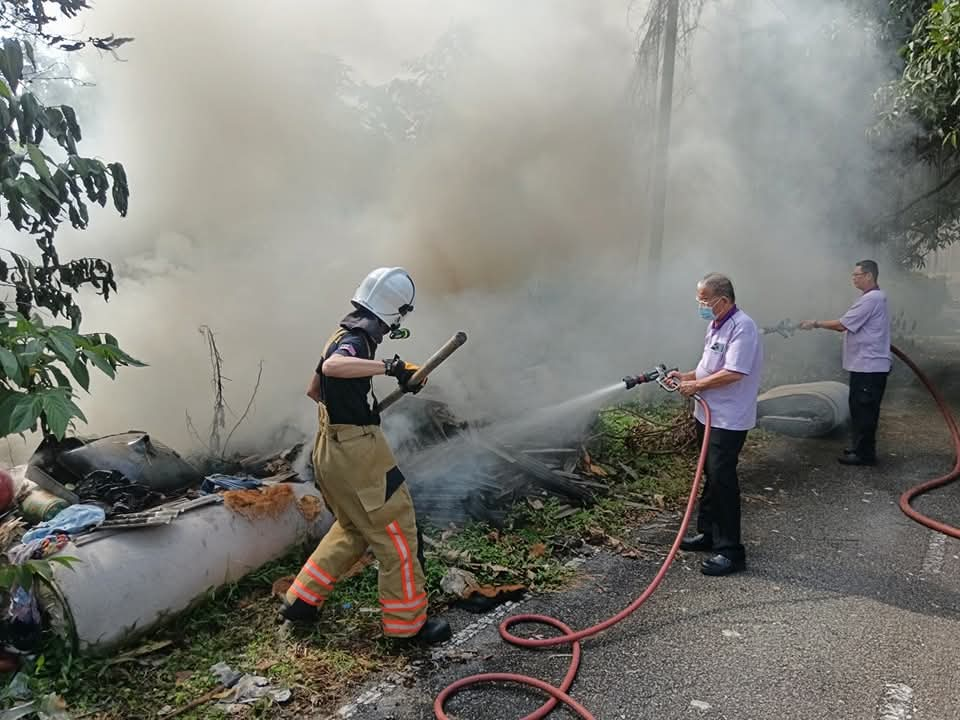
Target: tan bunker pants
<point x="358" y="476"/>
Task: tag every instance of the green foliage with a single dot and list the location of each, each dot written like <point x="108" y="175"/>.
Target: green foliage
<point x="12" y="576"/>
<point x="36" y="366"/>
<point x="45" y="182"/>
<point x="929" y="90"/>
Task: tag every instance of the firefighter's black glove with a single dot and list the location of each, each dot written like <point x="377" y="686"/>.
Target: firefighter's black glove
<point x="403" y="371"/>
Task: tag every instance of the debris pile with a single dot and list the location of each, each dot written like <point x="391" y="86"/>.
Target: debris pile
<point x="77" y="506"/>
<point x="462" y="470"/>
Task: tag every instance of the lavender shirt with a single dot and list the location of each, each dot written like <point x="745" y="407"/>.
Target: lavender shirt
<point x="732" y="343"/>
<point x="866" y="343"/>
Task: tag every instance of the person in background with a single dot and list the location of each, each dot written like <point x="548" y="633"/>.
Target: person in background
<point x="728" y="379"/>
<point x="866" y="356"/>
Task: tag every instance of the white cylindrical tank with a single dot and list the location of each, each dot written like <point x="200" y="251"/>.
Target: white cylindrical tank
<point x="131" y="580"/>
<point x="810" y="409"/>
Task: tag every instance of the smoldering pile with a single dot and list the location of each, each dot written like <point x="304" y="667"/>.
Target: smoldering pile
<point x="464" y="470"/>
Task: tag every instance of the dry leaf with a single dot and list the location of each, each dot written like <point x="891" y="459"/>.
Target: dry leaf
<point x="360" y="565"/>
<point x="281" y="585"/>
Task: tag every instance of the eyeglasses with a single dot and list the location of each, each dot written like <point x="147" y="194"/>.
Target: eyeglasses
<point x="858" y="274"/>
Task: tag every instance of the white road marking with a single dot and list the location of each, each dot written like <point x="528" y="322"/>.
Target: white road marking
<point x="896" y="702"/>
<point x="933" y="560"/>
<point x="374" y="694"/>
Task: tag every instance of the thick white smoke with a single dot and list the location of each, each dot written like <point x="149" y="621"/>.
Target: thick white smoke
<point x="278" y="151"/>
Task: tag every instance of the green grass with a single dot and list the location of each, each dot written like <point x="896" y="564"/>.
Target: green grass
<point x="237" y="624"/>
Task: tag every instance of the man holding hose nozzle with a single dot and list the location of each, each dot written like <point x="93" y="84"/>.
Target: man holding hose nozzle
<point x="357" y="473"/>
<point x="727" y="378"/>
<point x="866" y="356"/>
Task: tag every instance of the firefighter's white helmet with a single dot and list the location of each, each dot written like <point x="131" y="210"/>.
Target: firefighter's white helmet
<point x="388" y="293"/>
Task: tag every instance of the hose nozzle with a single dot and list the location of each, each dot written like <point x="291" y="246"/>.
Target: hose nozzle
<point x="658" y="373"/>
<point x="784" y="328"/>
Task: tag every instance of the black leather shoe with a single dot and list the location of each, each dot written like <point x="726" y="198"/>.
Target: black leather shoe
<point x="722" y="565"/>
<point x="855" y="459"/>
<point x="299" y="612"/>
<point x="849" y="451"/>
<point x="697" y="543"/>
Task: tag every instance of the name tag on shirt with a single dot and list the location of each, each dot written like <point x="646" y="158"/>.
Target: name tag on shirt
<point x="718" y="347"/>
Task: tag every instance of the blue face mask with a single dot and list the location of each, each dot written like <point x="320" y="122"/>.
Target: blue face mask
<point x="706" y="312"/>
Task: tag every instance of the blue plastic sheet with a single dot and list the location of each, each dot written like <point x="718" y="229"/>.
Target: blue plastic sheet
<point x="71" y="521"/>
<point x="216" y="483"/>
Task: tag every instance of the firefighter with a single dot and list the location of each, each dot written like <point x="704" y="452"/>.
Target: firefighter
<point x="357" y="473"/>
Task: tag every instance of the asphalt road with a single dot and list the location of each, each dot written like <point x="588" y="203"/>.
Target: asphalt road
<point x="848" y="610"/>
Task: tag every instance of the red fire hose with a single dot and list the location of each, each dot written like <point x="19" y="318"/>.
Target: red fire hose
<point x="560" y="694"/>
<point x="951" y="422"/>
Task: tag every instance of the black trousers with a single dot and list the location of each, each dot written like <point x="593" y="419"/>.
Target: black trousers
<point x="719" y="514"/>
<point x="866" y="394"/>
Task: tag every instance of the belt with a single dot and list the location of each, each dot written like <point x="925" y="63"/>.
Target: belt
<point x="343" y="433"/>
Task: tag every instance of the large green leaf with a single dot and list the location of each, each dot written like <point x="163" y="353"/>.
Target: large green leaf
<point x="73" y="127"/>
<point x="11" y="368"/>
<point x="30" y="55"/>
<point x="29" y="190"/>
<point x="40" y="163"/>
<point x="65" y="560"/>
<point x="8" y="574"/>
<point x="101" y="362"/>
<point x="64" y="343"/>
<point x="30" y="113"/>
<point x="121" y="193"/>
<point x="112" y="352"/>
<point x="59" y="410"/>
<point x="12" y="65"/>
<point x="62" y="380"/>
<point x="80" y="372"/>
<point x="30" y="355"/>
<point x="24" y="414"/>
<point x="40" y="567"/>
<point x="8" y="401"/>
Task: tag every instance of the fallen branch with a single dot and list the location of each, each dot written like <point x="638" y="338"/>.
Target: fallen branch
<point x="192" y="429"/>
<point x="253" y="396"/>
<point x="219" y="405"/>
<point x="202" y="700"/>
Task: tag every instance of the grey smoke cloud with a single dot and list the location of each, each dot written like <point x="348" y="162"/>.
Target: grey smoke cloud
<point x="262" y="195"/>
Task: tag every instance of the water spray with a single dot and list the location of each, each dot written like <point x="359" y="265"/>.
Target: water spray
<point x="560" y="694"/>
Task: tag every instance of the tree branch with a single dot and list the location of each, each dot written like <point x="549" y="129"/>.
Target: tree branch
<point x="256" y="387"/>
<point x="929" y="193"/>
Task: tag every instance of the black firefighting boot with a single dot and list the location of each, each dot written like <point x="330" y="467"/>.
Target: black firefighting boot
<point x="435" y="630"/>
